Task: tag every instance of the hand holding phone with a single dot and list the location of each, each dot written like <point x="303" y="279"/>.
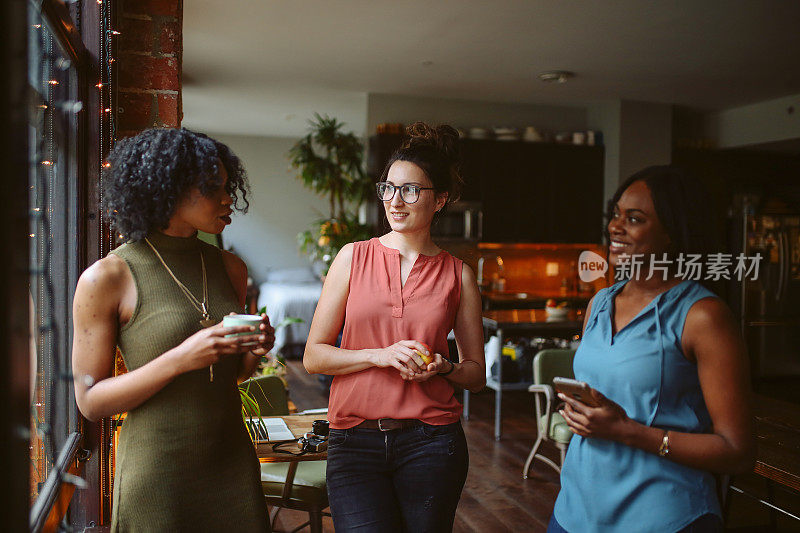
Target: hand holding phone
<point x="577" y="390"/>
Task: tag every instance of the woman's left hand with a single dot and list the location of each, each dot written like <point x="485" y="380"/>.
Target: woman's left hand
<point x="606" y="421"/>
<point x="267" y="339"/>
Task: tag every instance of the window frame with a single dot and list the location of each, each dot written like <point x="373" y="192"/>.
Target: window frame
<point x="14" y="352"/>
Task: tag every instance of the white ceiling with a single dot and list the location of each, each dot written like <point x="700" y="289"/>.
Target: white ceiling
<point x="263" y="66"/>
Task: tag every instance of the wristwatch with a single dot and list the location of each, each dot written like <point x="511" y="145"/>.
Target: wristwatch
<point x="452" y="367"/>
<point x="663" y="450"/>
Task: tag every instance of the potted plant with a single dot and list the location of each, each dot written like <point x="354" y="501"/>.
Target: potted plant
<point x="330" y="162"/>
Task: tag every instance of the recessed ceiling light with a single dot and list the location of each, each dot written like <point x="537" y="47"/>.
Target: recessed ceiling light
<point x="556" y="76"/>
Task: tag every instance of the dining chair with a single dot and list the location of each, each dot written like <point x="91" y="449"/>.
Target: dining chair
<point x="302" y="487"/>
<point x="550" y="425"/>
<point x="270" y="394"/>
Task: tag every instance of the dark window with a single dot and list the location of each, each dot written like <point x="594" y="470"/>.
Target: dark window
<point x="65" y="116"/>
<point x="54" y="255"/>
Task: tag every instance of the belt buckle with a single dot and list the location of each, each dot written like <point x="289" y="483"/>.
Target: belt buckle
<point x="380" y="424"/>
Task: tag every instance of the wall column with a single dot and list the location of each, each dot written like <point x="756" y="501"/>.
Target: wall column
<point x="150" y="51"/>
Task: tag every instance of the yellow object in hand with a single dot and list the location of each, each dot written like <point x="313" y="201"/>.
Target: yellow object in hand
<point x="427" y="359"/>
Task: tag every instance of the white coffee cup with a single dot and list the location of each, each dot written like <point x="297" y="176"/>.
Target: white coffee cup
<point x="243" y="320"/>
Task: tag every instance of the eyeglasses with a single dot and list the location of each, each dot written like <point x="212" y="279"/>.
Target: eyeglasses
<point x="408" y="193"/>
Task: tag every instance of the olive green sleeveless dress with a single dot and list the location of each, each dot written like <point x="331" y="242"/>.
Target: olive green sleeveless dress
<point x="184" y="460"/>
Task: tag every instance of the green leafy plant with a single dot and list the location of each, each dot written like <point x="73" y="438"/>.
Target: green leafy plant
<point x="328" y="236"/>
<point x="331" y="162"/>
<point x="276" y="365"/>
<point x="250" y="408"/>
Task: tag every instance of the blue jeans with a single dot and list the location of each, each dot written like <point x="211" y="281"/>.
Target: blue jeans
<point x="708" y="523"/>
<point x="395" y="481"/>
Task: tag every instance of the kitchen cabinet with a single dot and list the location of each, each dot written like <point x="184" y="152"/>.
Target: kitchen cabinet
<point x="530" y="192"/>
<point x="576" y="194"/>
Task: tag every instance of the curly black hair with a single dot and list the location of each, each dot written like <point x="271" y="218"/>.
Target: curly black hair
<point x="152" y="171"/>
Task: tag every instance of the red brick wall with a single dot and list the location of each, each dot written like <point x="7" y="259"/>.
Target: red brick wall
<point x="149" y="52"/>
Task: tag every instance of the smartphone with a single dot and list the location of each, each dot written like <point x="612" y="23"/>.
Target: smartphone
<point x="577" y="390"/>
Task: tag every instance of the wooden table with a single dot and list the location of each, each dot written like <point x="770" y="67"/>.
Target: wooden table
<point x="533" y="322"/>
<point x="299" y="425"/>
<point x="777" y="431"/>
<point x="777" y="425"/>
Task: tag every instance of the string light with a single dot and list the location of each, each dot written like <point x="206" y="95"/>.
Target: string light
<point x="108" y="127"/>
<point x="47" y="163"/>
<point x="37" y="209"/>
<point x="42" y="106"/>
<point x="36" y="26"/>
<point x="53" y="82"/>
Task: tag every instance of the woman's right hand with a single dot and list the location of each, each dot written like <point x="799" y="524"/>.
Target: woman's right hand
<point x="401" y="356"/>
<point x="209" y="345"/>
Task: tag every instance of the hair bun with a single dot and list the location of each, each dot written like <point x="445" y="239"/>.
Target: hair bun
<point x="443" y="138"/>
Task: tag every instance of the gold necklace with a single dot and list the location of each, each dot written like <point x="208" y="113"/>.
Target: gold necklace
<point x="206" y="321"/>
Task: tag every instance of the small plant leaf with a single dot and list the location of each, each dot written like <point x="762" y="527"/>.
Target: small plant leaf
<point x="289" y="320"/>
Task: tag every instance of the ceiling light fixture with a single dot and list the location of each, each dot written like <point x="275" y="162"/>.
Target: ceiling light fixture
<point x="556" y="76"/>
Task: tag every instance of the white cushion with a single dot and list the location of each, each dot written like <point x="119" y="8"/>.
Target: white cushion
<point x="292" y="275"/>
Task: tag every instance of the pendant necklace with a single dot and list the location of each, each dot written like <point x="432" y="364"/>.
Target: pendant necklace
<point x="206" y="321"/>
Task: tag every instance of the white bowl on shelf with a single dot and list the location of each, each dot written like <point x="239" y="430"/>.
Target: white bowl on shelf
<point x="478" y="133"/>
<point x="556" y="312"/>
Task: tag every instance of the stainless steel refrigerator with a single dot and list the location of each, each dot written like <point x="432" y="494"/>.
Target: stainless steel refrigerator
<point x="769" y="306"/>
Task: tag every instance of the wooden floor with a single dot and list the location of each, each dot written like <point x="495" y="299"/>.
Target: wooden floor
<point x="496" y="498"/>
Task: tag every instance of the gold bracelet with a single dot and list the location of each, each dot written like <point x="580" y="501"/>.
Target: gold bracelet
<point x="663" y="450"/>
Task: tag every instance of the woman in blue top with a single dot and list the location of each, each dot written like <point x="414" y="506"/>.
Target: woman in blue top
<point x="667" y="365"/>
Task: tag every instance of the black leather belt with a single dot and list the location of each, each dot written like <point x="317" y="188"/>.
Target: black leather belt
<point x="389" y="424"/>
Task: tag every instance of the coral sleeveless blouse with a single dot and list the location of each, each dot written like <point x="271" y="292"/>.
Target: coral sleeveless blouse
<point x="381" y="312"/>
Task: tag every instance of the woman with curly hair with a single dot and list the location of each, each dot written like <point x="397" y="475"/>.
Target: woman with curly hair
<point x="185" y="461"/>
<point x="397" y="455"/>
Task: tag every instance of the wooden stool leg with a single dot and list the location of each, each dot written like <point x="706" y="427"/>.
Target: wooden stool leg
<point x="315" y="521"/>
<point x="773" y="516"/>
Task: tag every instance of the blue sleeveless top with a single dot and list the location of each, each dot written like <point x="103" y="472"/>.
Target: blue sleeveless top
<point x="605" y="485"/>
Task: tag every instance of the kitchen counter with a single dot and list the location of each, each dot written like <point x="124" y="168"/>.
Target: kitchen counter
<point x="532" y="299"/>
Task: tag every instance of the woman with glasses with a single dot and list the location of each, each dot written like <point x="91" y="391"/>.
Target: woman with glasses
<point x="397" y="455"/>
